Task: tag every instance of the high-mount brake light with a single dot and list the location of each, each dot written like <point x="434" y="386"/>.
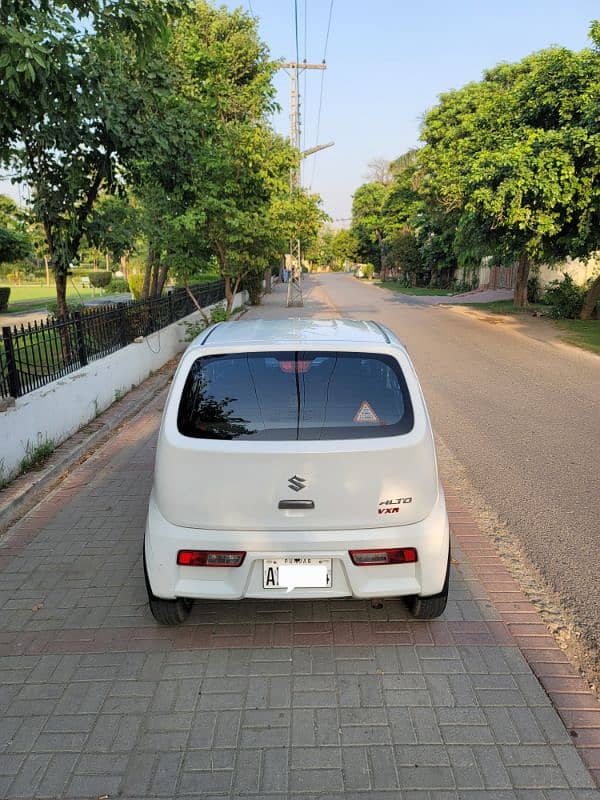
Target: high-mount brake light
<point x="295" y="366"/>
<point x="394" y="555"/>
<point x="210" y="558"/>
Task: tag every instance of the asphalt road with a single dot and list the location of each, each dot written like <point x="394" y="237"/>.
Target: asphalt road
<point x="522" y="417"/>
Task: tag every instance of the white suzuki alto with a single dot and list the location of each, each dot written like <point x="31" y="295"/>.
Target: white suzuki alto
<point x="295" y="460"/>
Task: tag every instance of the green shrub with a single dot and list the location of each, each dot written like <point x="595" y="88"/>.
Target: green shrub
<point x="136" y="283"/>
<point x="36" y="455"/>
<point x="4" y="297"/>
<point x="193" y="329"/>
<point x="253" y="283"/>
<point x="368" y="271"/>
<point x="219" y="314"/>
<point x="71" y="306"/>
<point x="534" y="289"/>
<point x="565" y="298"/>
<point x="100" y="280"/>
<point x="117" y="286"/>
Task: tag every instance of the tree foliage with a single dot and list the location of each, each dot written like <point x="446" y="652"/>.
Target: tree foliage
<point x="509" y="169"/>
<point x="148" y="118"/>
<point x="80" y="98"/>
<point x="517" y="155"/>
<point x="367" y="222"/>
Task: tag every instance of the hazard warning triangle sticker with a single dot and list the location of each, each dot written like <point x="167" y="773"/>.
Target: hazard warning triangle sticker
<point x="366" y="414"/>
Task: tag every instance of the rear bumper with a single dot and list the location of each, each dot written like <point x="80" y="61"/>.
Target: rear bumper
<point x="168" y="580"/>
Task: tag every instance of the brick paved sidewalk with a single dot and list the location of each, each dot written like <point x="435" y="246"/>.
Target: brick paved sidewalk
<point x="269" y="700"/>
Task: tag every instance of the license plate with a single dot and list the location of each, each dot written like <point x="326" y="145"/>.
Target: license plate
<point x="296" y="573"/>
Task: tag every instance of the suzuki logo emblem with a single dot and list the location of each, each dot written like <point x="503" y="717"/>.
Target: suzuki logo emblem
<point x="296" y="483"/>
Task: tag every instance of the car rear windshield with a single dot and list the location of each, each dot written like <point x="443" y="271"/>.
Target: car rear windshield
<point x="295" y="396"/>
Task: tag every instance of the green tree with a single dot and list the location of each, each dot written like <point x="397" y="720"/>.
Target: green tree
<point x="13" y="245"/>
<point x="320" y="251"/>
<point x="592" y="298"/>
<point x="80" y="97"/>
<point x="367" y="222"/>
<point x="240" y="165"/>
<point x="344" y="248"/>
<point x="15" y="241"/>
<point x="114" y="227"/>
<point x="517" y="154"/>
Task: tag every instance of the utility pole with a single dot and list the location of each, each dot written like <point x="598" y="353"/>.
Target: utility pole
<point x="294" y="68"/>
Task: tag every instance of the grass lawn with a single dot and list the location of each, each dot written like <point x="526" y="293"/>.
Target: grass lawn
<point x="583" y="333"/>
<point x="575" y="331"/>
<point x="505" y="307"/>
<point x="419" y="291"/>
<point x="19" y="295"/>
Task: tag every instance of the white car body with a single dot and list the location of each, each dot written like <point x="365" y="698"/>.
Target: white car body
<point x="224" y="495"/>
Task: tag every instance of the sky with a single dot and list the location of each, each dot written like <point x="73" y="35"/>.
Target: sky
<point x="387" y="61"/>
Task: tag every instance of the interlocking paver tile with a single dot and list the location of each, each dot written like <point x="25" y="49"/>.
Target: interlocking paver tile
<point x="268" y="700"/>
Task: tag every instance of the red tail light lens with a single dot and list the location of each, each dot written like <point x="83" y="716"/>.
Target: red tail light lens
<point x="210" y="558"/>
<point x="396" y="555"/>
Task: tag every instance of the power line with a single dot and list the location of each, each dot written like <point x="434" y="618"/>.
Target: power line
<point x="314" y="167"/>
<point x="305" y="91"/>
<point x="328" y="29"/>
<point x="296" y="27"/>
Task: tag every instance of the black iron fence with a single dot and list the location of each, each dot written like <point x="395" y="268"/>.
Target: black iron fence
<point x="35" y="354"/>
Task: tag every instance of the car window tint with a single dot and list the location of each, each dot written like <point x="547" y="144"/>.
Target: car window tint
<point x="295" y="395"/>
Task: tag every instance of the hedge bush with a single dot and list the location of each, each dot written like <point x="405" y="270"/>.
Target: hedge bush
<point x="565" y="298"/>
<point x="253" y="283"/>
<point x="117" y="286"/>
<point x="73" y="305"/>
<point x="100" y="279"/>
<point x="4" y="297"/>
<point x="368" y="270"/>
<point x="136" y="283"/>
<point x="534" y="289"/>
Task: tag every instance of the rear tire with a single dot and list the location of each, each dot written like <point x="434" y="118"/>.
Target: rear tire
<point x="432" y="606"/>
<point x="170" y="612"/>
<point x="167" y="612"/>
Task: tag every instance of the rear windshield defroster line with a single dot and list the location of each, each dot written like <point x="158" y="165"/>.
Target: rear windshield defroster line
<point x="295" y="395"/>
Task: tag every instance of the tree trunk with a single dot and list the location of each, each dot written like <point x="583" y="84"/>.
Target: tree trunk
<point x="125" y="265"/>
<point x="154" y="278"/>
<point x="162" y="278"/>
<point x="60" y="277"/>
<point x="148" y="273"/>
<point x="522" y="276"/>
<point x="107" y="261"/>
<point x="229" y="295"/>
<point x="268" y="282"/>
<point x="591" y="298"/>
<point x="47" y="270"/>
<point x="382" y="268"/>
<point x="196" y="303"/>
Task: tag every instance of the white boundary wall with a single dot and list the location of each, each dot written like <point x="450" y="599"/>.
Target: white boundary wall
<point x="59" y="409"/>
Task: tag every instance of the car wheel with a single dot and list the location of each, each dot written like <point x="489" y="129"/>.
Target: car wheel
<point x="167" y="612"/>
<point x="432" y="606"/>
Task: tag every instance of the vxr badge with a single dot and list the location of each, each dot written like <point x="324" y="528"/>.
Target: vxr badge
<point x="296" y="483"/>
<point x="393" y="506"/>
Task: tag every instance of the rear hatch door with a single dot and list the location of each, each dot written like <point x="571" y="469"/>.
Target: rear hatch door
<point x="293" y="440"/>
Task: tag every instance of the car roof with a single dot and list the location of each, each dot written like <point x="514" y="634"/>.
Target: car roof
<point x="296" y="331"/>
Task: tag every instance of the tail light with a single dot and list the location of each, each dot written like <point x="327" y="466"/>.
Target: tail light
<point x="210" y="558"/>
<point x="395" y="555"/>
<point x="295" y="366"/>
